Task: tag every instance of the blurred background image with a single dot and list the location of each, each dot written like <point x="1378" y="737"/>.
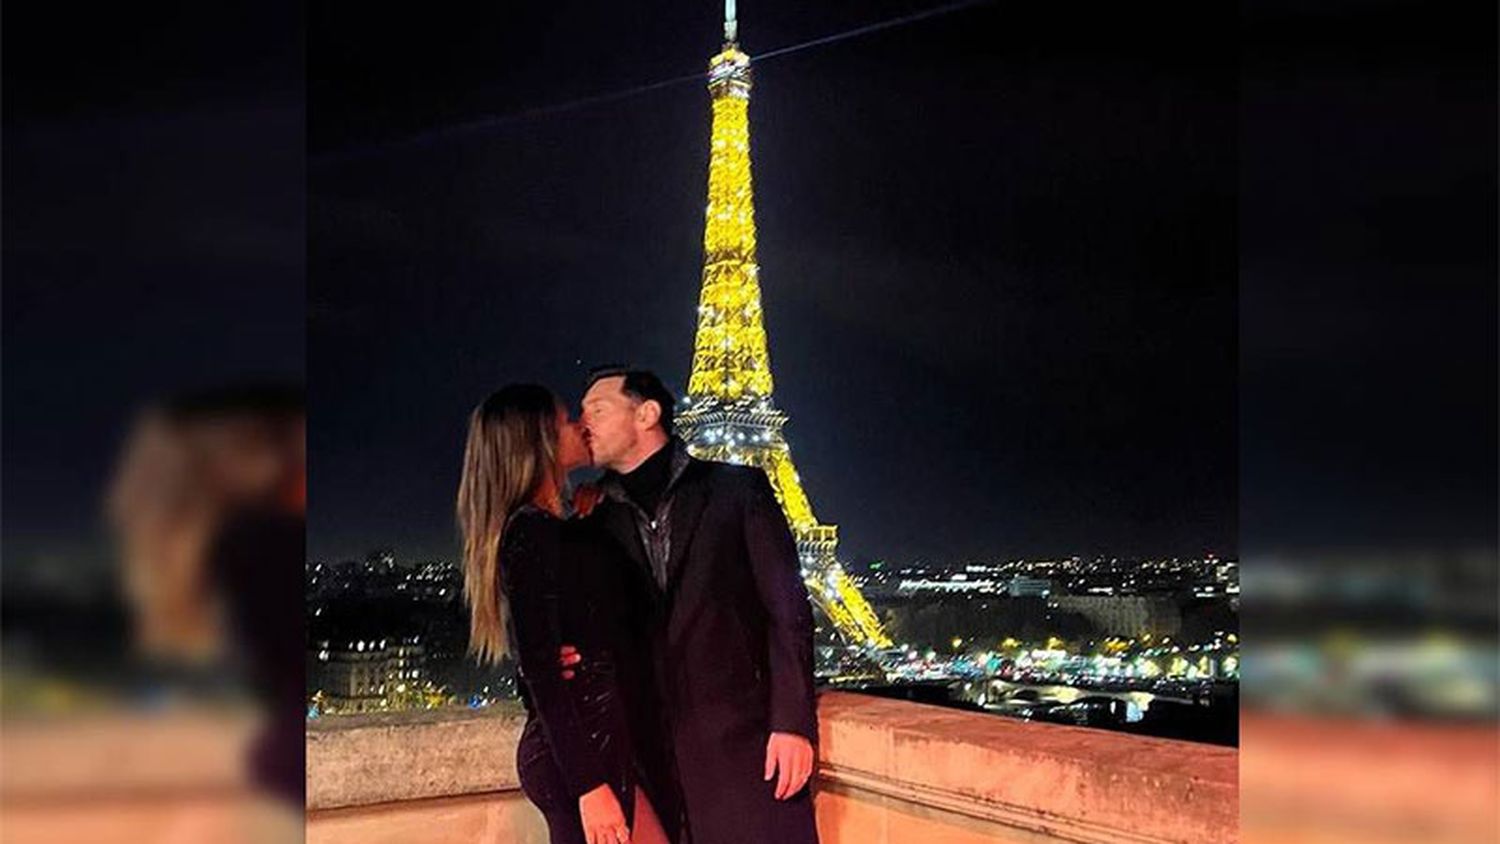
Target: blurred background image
<point x="1368" y="424"/>
<point x="153" y="359"/>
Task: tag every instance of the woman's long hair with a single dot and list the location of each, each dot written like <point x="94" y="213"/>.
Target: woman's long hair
<point x="189" y="462"/>
<point x="510" y="456"/>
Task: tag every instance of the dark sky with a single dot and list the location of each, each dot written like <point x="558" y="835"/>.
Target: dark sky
<point x="1368" y="278"/>
<point x="1000" y="250"/>
<point x="154" y="238"/>
<point x="998" y="253"/>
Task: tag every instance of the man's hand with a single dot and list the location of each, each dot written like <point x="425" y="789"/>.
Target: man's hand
<point x="567" y="657"/>
<point x="792" y="756"/>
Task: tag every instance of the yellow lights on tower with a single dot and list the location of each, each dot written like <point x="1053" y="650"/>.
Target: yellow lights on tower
<point x="730" y="359"/>
<point x="789" y="490"/>
<point x="728" y="413"/>
<point x="860" y="610"/>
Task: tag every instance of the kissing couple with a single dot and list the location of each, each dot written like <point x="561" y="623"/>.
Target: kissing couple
<point x="659" y="621"/>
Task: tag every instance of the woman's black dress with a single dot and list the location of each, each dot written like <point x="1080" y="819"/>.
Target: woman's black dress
<point x="257" y="562"/>
<point x="564" y="582"/>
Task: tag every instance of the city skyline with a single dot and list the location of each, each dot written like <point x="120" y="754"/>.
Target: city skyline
<point x="405" y="557"/>
<point x="1047" y="640"/>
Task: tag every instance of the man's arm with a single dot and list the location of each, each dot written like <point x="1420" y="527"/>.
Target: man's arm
<point x="778" y="580"/>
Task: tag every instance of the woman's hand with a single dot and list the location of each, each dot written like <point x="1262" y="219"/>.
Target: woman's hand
<point x="585" y="498"/>
<point x="603" y="820"/>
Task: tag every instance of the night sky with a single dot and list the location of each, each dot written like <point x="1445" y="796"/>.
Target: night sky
<point x="1001" y="250"/>
<point x="154" y="241"/>
<point x="998" y="249"/>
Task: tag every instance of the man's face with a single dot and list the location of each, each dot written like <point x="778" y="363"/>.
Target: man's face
<point x="610" y="421"/>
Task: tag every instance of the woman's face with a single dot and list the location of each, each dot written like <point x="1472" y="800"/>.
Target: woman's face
<point x="572" y="449"/>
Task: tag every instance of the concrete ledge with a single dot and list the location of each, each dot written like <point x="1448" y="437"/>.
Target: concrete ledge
<point x="124" y="753"/>
<point x="1325" y="779"/>
<point x="889" y="771"/>
<point x="496" y="818"/>
<point x="120" y="775"/>
<point x="359" y="760"/>
<point x="1062" y="782"/>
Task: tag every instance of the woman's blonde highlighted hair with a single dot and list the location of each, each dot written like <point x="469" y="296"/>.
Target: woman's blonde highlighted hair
<point x="188" y="463"/>
<point x="510" y="456"/>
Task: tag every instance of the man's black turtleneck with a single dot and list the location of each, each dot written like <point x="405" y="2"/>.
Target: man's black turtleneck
<point x="648" y="481"/>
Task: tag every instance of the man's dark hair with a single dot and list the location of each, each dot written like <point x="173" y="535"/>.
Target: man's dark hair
<point x="641" y="385"/>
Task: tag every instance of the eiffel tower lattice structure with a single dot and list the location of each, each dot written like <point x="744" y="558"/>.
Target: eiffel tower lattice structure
<point x="729" y="413"/>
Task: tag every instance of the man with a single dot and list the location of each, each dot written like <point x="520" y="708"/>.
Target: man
<point x="731" y="627"/>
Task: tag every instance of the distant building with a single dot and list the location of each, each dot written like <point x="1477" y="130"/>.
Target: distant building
<point x="1124" y="615"/>
<point x="373" y="675"/>
<point x="434" y="581"/>
<point x="380" y="561"/>
<point x="954" y="584"/>
<point x="1021" y="586"/>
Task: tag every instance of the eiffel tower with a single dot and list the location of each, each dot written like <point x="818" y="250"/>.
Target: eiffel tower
<point x="729" y="413"/>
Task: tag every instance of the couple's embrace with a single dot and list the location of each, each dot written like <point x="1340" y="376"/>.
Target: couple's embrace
<point x="660" y="622"/>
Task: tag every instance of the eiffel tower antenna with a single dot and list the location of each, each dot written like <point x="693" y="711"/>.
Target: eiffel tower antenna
<point x="729" y="413"/>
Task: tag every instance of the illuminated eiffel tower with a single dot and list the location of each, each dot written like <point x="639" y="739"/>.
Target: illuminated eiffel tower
<point x="728" y="413"/>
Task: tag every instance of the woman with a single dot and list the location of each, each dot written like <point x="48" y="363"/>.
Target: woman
<point x="208" y="505"/>
<point x="533" y="580"/>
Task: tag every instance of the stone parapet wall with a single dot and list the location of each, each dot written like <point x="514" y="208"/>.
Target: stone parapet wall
<point x="889" y="771"/>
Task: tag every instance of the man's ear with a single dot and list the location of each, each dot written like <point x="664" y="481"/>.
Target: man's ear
<point x="648" y="413"/>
